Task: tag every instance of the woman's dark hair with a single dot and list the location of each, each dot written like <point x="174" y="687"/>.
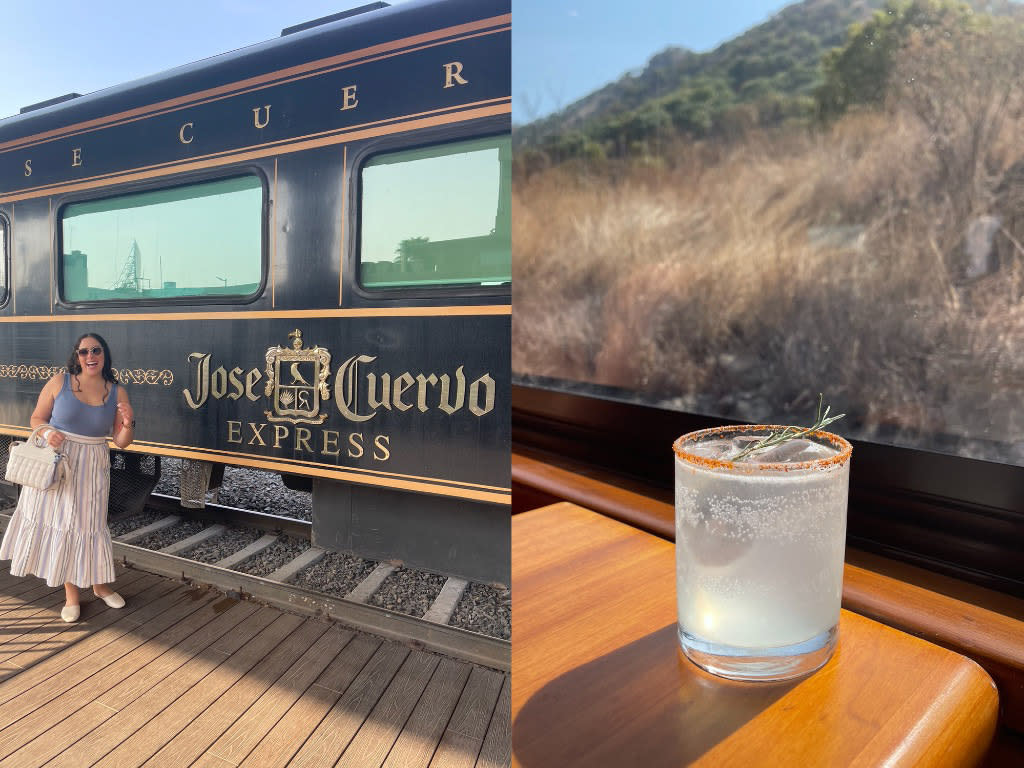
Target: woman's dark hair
<point x="75" y="367"/>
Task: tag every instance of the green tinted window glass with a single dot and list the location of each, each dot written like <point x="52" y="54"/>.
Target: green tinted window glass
<point x="437" y="216"/>
<point x="197" y="240"/>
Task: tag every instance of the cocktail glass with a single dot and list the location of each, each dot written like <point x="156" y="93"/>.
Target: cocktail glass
<point x="759" y="551"/>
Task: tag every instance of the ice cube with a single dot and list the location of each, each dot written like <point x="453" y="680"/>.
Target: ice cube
<point x="711" y="449"/>
<point x="741" y="443"/>
<point x="784" y="453"/>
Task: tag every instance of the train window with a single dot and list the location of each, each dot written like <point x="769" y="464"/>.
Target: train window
<point x="201" y="240"/>
<point x="3" y="260"/>
<point x="823" y="203"/>
<point x="437" y="216"/>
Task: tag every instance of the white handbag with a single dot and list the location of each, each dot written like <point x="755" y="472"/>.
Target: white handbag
<point x="34" y="463"/>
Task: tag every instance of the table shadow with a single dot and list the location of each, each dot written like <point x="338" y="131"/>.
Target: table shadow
<point x="644" y="704"/>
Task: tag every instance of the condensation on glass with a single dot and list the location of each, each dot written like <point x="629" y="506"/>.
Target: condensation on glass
<point x="437" y="216"/>
<point x="198" y="240"/>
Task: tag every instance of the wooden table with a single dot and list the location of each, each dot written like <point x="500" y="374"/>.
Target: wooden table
<point x="599" y="680"/>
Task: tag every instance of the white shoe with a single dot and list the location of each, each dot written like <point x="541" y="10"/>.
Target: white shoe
<point x="70" y="613"/>
<point x="113" y="600"/>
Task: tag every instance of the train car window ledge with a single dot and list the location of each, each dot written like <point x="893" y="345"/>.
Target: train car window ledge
<point x="962" y="517"/>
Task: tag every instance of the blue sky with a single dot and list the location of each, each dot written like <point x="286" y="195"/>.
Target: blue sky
<point x="562" y="49"/>
<point x="55" y="47"/>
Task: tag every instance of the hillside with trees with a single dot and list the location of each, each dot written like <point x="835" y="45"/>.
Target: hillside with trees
<point x="813" y="60"/>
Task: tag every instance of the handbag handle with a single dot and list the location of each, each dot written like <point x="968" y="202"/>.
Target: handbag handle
<point x="37" y="432"/>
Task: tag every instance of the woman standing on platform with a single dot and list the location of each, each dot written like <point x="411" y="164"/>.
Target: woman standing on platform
<point x="61" y="534"/>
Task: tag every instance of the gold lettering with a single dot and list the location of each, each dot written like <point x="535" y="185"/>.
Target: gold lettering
<point x="474" y="395"/>
<point x="348" y="98"/>
<point x="421" y="392"/>
<point x="402" y="383"/>
<point x="256" y="437"/>
<point x="219" y="383"/>
<point x="453" y="74"/>
<point x="76" y="157"/>
<point x="280" y="433"/>
<point x="345" y="388"/>
<point x="181" y="134"/>
<point x="355" y="444"/>
<point x="200" y="364"/>
<point x="381" y="443"/>
<point x="251" y="378"/>
<point x="460" y="392"/>
<point x="256" y="116"/>
<point x="28" y="167"/>
<point x="302" y="436"/>
<point x="236" y="383"/>
<point x="330" y="442"/>
<point x="234" y="431"/>
<point x="385" y="391"/>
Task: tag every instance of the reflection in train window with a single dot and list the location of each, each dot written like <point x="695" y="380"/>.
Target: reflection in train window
<point x="197" y="240"/>
<point x="437" y="216"/>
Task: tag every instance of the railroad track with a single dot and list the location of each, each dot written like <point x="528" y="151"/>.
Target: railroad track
<point x="431" y="632"/>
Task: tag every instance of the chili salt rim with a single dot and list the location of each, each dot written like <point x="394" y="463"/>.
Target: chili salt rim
<point x="837" y="442"/>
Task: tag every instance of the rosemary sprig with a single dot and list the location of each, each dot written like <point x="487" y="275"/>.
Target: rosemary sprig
<point x="789" y="433"/>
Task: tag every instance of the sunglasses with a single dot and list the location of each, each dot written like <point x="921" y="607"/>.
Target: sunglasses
<point x="96" y="351"/>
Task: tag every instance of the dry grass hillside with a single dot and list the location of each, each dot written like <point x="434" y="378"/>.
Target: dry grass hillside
<point x="742" y="280"/>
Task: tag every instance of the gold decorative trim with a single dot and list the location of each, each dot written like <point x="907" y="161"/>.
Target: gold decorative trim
<point x="47" y="372"/>
<point x="266" y="314"/>
<point x="13" y="264"/>
<point x="344" y="213"/>
<point x="291" y="402"/>
<point x="437" y="487"/>
<point x="273" y="242"/>
<point x="454" y="34"/>
<point x="446" y="116"/>
<point x="30" y="372"/>
<point x="144" y="376"/>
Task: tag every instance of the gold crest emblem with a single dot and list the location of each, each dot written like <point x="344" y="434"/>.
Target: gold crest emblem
<point x="298" y="399"/>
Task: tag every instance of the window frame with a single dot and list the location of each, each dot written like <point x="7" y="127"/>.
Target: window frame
<point x="958" y="516"/>
<point x="164" y="183"/>
<point x="5" y="255"/>
<point x="420" y="140"/>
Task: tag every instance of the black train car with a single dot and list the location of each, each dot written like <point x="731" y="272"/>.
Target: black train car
<point x="299" y="254"/>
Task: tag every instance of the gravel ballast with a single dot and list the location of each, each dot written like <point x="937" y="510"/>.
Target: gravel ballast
<point x="134" y="522"/>
<point x="485" y="610"/>
<point x="246" y="489"/>
<point x="408" y="592"/>
<point x="335" y="574"/>
<point x="167" y="536"/>
<point x="283" y="550"/>
<point x="219" y="547"/>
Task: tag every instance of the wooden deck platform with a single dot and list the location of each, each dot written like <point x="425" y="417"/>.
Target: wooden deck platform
<point x="189" y="677"/>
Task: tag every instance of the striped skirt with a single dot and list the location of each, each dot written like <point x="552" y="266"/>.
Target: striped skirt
<point x="61" y="534"/>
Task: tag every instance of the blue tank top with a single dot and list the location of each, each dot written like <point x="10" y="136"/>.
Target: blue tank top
<point x="72" y="415"/>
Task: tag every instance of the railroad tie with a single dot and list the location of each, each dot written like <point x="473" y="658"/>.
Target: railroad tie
<point x="444" y="605"/>
<point x="292" y="567"/>
<point x="191" y="541"/>
<point x="371" y="583"/>
<point x="257" y="546"/>
<point x="139" y="533"/>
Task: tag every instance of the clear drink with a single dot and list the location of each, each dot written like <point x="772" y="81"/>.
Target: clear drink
<point x="759" y="551"/>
